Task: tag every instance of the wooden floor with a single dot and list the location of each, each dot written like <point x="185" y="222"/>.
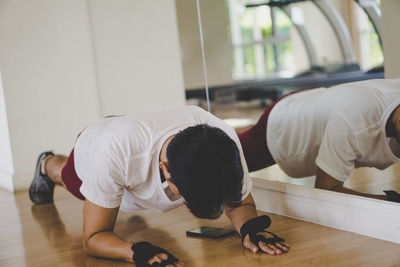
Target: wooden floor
<point x="50" y="235"/>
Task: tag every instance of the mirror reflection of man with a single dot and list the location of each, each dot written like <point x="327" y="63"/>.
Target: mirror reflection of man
<point x="155" y="160"/>
<point x="328" y="132"/>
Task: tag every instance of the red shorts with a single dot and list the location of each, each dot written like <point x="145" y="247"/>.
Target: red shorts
<point x="254" y="142"/>
<point x="70" y="178"/>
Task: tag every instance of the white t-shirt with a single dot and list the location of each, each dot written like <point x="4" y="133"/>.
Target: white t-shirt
<point x="117" y="158"/>
<point x="336" y="129"/>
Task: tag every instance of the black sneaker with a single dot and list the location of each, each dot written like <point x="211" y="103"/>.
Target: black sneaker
<point x="42" y="188"/>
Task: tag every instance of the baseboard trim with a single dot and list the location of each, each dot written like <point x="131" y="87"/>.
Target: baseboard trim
<point x="365" y="216"/>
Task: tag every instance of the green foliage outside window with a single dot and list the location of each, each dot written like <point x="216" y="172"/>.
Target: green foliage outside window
<point x="277" y="53"/>
<point x="283" y="49"/>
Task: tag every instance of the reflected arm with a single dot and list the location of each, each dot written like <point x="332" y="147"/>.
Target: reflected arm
<point x="327" y="182"/>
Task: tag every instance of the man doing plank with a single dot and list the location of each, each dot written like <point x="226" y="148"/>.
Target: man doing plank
<point x="155" y="160"/>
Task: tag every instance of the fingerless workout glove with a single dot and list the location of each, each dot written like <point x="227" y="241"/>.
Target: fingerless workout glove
<point x="392" y="195"/>
<point x="255" y="226"/>
<point x="144" y="251"/>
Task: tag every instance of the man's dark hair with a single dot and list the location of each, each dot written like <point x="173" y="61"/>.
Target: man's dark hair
<point x="204" y="163"/>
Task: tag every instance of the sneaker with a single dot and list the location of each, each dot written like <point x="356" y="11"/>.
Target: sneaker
<point x="42" y="188"/>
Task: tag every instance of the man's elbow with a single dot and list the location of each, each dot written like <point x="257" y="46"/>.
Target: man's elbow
<point x="327" y="182"/>
<point x="87" y="248"/>
<point x="328" y="187"/>
<point x="85" y="244"/>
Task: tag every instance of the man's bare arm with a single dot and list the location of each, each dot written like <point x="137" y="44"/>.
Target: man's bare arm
<point x="100" y="240"/>
<point x="98" y="236"/>
<point x="327" y="182"/>
<point x="239" y="215"/>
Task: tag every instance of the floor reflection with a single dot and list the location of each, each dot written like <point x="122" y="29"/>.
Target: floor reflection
<point x="11" y="249"/>
<point x="51" y="239"/>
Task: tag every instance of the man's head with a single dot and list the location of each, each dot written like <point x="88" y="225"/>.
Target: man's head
<point x="204" y="165"/>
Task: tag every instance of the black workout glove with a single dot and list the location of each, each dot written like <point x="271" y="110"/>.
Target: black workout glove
<point x="392" y="196"/>
<point x="255" y="226"/>
<point x="144" y="251"/>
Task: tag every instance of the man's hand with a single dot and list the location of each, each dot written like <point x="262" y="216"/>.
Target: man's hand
<point x="254" y="237"/>
<point x="158" y="260"/>
<point x="251" y="228"/>
<point x="145" y="255"/>
<point x="273" y="248"/>
<point x="392" y="195"/>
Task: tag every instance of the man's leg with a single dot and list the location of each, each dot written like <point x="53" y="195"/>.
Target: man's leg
<point x="52" y="166"/>
<point x="254" y="144"/>
<point x="50" y="170"/>
<point x="254" y="141"/>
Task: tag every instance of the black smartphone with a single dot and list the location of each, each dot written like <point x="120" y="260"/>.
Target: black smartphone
<point x="210" y="232"/>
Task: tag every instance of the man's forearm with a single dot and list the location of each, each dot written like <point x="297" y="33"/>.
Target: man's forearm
<point x="108" y="245"/>
<point x="239" y="215"/>
<point x="327" y="182"/>
<point x="353" y="192"/>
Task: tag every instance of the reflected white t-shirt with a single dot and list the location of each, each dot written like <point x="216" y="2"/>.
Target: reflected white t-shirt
<point x="336" y="129"/>
<point x="117" y="158"/>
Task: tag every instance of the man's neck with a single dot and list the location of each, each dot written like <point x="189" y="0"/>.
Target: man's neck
<point x="163" y="156"/>
<point x="390" y="129"/>
<point x="163" y="152"/>
<point x="391" y="123"/>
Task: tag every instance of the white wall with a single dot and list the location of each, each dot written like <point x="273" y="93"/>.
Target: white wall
<point x="67" y="62"/>
<point x="391" y="37"/>
<point x="6" y="164"/>
<point x="48" y="76"/>
<point x="217" y="43"/>
<point x="138" y="55"/>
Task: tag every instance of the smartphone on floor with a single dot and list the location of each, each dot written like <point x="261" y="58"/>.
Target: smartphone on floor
<point x="210" y="232"/>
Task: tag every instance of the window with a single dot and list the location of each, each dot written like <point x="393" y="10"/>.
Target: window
<point x="271" y="41"/>
<point x="261" y="40"/>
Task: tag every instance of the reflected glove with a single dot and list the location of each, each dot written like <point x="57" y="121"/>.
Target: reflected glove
<point x="392" y="195"/>
<point x="144" y="251"/>
<point x="257" y="225"/>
